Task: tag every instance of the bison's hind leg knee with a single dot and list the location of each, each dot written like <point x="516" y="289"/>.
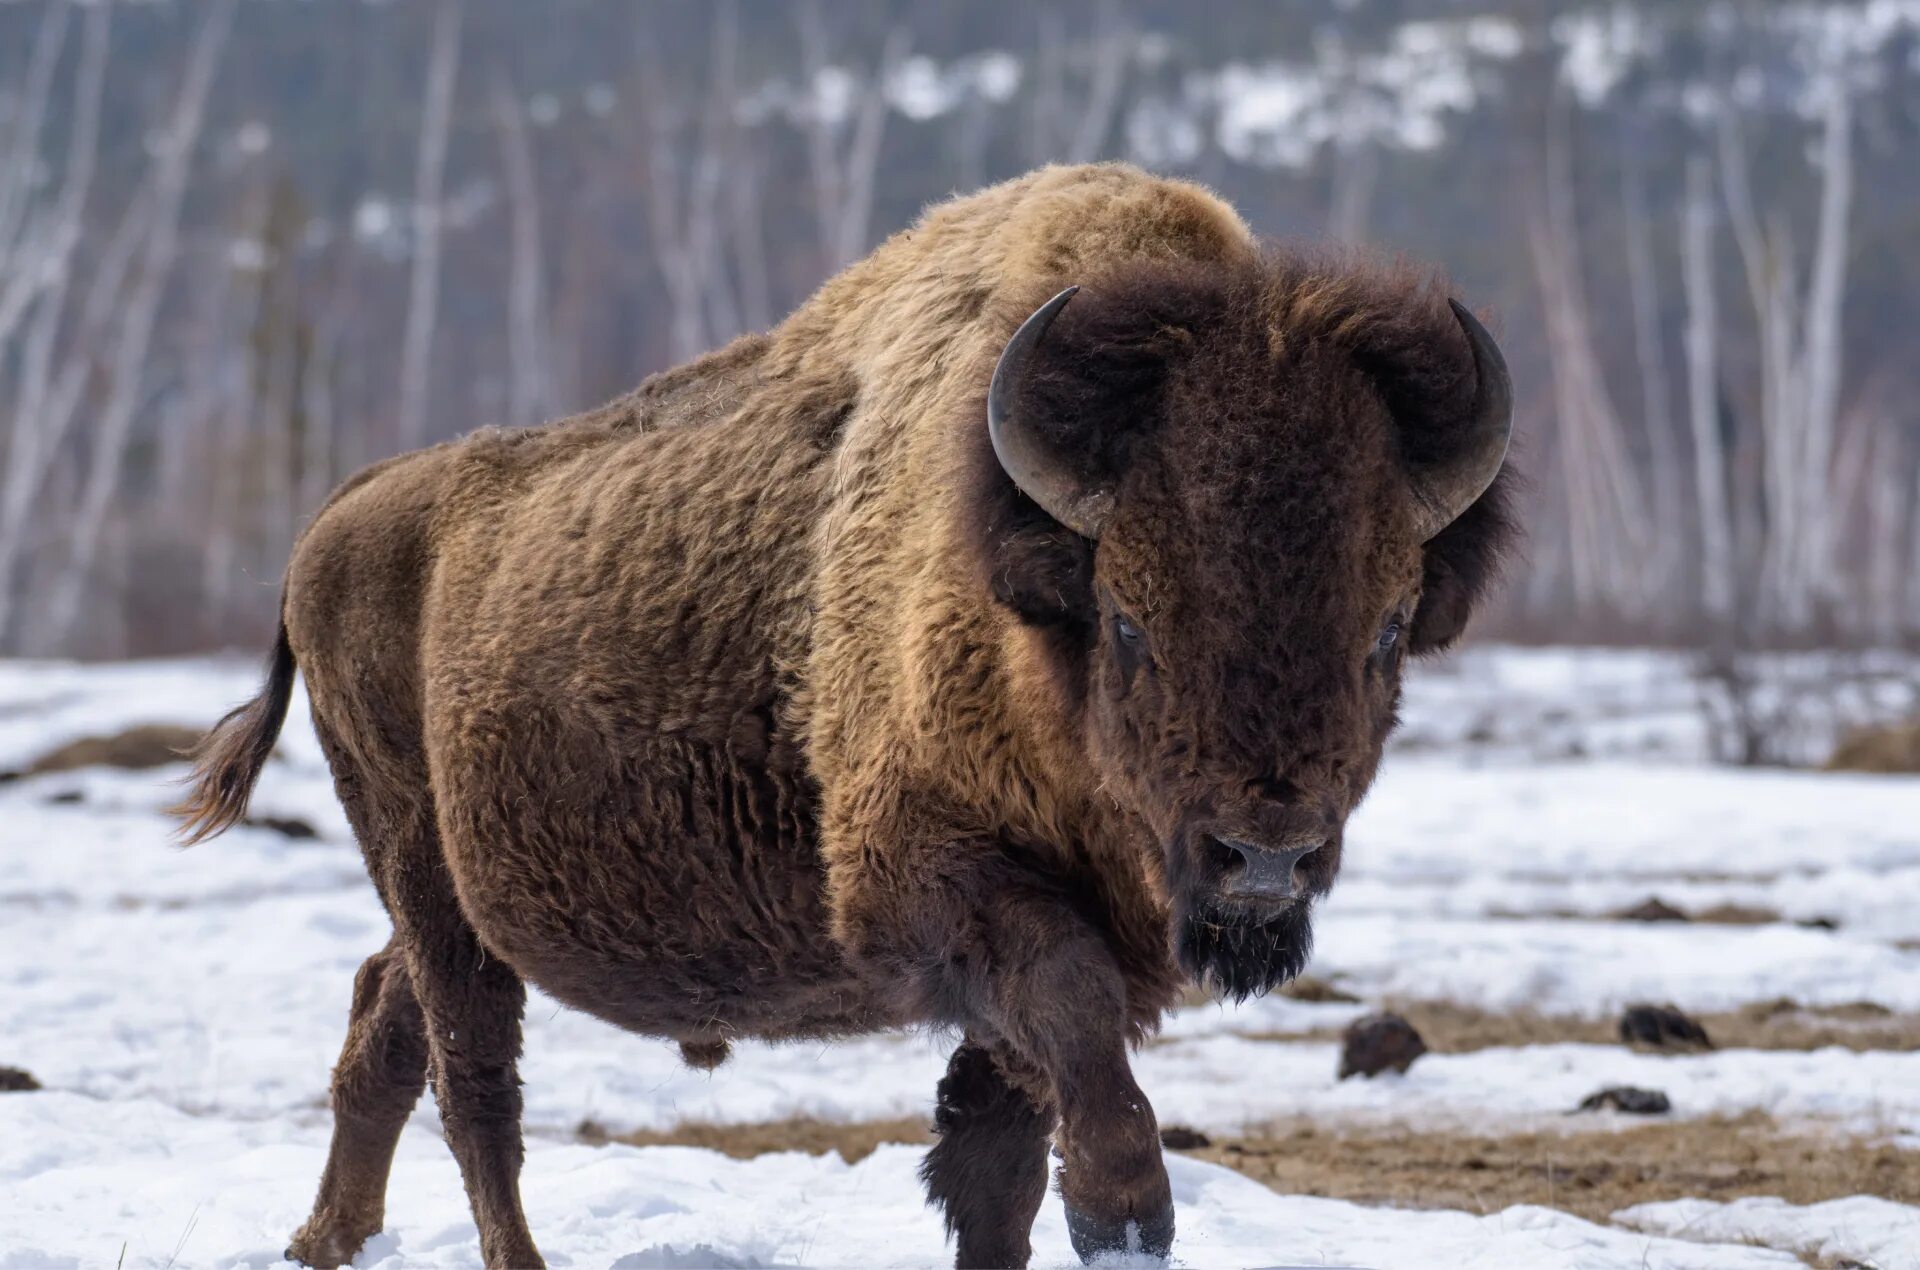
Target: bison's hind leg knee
<point x="380" y="1075"/>
<point x="988" y="1171"/>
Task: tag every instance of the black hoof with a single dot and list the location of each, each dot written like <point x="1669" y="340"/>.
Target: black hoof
<point x="1096" y="1236"/>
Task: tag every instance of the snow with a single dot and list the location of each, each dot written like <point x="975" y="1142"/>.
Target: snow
<point x="184" y="1008"/>
<point x="171" y="1188"/>
<point x="1860" y="1228"/>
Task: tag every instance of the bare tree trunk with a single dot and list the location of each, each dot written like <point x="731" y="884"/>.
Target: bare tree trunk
<point x="1656" y="413"/>
<point x="1703" y="406"/>
<point x="1609" y="535"/>
<point x="1048" y="101"/>
<point x="529" y="394"/>
<point x="423" y="296"/>
<point x="843" y="183"/>
<point x="1821" y="354"/>
<point x="114" y="423"/>
<point x="38" y="273"/>
<point x="1800" y="360"/>
<point x="749" y="242"/>
<point x="1356" y="171"/>
<point x="1060" y="132"/>
<point x="683" y="190"/>
<point x="23" y="146"/>
<point x="1111" y="50"/>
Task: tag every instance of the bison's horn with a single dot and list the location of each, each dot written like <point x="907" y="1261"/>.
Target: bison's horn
<point x="1040" y="476"/>
<point x="1446" y="489"/>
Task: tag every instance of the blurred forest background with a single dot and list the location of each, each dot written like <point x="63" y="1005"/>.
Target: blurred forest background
<point x="247" y="247"/>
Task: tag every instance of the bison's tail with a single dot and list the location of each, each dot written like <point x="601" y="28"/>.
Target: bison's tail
<point x="228" y="759"/>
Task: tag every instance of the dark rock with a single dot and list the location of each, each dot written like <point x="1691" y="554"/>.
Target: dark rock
<point x="287" y="826"/>
<point x="1378" y="1043"/>
<point x="1177" y="1137"/>
<point x="66" y="798"/>
<point x="1818" y="923"/>
<point x="136" y="749"/>
<point x="15" y="1081"/>
<point x="1662" y="1027"/>
<point x="1651" y="909"/>
<point x="1635" y="1102"/>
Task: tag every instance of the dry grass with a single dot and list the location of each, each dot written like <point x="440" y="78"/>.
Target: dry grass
<point x="1589" y="1172"/>
<point x="1772" y="1025"/>
<point x="854" y="1142"/>
<point x="1889" y="748"/>
<point x="147" y="745"/>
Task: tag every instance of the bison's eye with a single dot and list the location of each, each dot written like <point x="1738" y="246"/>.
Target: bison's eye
<point x="1389" y="636"/>
<point x="1129" y="647"/>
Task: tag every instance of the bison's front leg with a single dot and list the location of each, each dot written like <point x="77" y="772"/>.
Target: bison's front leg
<point x="992" y="947"/>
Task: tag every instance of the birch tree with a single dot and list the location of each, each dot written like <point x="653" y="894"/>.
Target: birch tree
<point x="529" y="366"/>
<point x="126" y="361"/>
<point x="423" y="294"/>
<point x="1703" y="406"/>
<point x="843" y="171"/>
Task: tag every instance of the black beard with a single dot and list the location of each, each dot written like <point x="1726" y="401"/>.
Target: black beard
<point x="1237" y="954"/>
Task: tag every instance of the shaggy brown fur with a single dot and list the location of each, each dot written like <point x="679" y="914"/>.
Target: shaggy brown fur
<point x="760" y="702"/>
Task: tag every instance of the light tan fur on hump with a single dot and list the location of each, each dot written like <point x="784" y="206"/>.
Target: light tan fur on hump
<point x="916" y="680"/>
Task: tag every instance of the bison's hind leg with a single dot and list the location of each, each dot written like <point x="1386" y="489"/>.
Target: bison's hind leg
<point x="988" y="1171"/>
<point x="433" y="1004"/>
<point x="381" y="1072"/>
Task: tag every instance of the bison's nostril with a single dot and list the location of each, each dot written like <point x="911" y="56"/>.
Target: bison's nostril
<point x="1223" y="858"/>
<point x="1262" y="872"/>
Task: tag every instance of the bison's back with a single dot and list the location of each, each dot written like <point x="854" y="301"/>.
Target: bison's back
<point x="577" y="638"/>
<point x="622" y="797"/>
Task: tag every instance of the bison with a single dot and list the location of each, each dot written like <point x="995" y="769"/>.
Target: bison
<point x="998" y="644"/>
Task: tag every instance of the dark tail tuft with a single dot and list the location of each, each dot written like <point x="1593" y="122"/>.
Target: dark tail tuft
<point x="228" y="759"/>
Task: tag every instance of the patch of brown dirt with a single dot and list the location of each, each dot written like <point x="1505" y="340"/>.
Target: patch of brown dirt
<point x="135" y="749"/>
<point x="1588" y="1172"/>
<point x="1889" y="748"/>
<point x="1318" y="990"/>
<point x="854" y="1142"/>
<point x="1591" y="1173"/>
<point x="1770" y="1025"/>
<point x="1655" y="909"/>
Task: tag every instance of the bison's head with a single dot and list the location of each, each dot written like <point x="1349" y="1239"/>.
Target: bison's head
<point x="1233" y="501"/>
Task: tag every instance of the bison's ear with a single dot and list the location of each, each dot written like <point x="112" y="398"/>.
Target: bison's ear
<point x="1462" y="562"/>
<point x="1041" y="570"/>
<point x="1087" y="391"/>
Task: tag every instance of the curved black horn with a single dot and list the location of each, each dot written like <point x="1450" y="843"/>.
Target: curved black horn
<point x="1041" y="478"/>
<point x="1444" y="490"/>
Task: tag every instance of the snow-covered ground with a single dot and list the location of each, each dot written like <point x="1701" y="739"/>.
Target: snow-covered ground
<point x="183" y="1008"/>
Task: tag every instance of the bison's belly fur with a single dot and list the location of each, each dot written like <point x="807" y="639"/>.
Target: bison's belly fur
<point x="554" y="626"/>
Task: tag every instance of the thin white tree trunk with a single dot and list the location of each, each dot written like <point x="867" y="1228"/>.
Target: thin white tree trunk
<point x="529" y="391"/>
<point x="1356" y="172"/>
<point x="114" y="423"/>
<point x="1703" y="414"/>
<point x="1656" y="413"/>
<point x="423" y="295"/>
<point x="744" y="210"/>
<point x="1111" y="50"/>
<point x="683" y="189"/>
<point x="843" y="183"/>
<point x="1821" y="354"/>
<point x="1608" y="545"/>
<point x="23" y="144"/>
<point x="44" y="282"/>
